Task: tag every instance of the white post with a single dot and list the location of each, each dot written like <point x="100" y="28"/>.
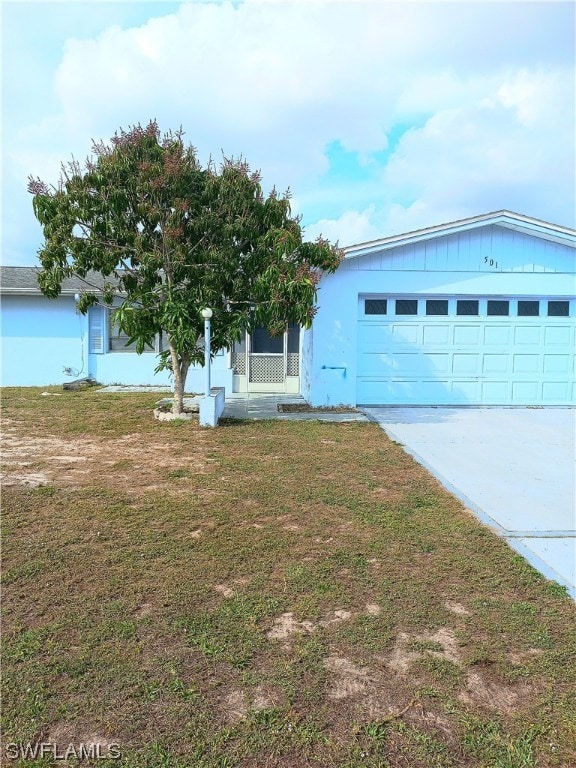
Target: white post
<point x="207" y="314"/>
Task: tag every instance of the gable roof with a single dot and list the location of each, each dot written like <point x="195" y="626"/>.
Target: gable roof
<point x="506" y="219"/>
<point x="24" y="281"/>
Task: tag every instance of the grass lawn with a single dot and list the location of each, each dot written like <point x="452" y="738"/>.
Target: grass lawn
<point x="263" y="594"/>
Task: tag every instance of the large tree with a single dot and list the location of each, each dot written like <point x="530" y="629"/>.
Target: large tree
<point x="171" y="237"/>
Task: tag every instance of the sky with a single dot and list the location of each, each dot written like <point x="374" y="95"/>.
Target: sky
<point x="380" y="117"/>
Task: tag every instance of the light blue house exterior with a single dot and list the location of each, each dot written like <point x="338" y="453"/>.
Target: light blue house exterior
<point x="480" y="311"/>
<point x="49" y="342"/>
<point x="476" y="312"/>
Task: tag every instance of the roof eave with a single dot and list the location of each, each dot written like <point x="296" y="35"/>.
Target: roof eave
<point x="506" y="219"/>
<point x="33" y="291"/>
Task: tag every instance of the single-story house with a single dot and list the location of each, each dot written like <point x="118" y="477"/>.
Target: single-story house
<point x="480" y="311"/>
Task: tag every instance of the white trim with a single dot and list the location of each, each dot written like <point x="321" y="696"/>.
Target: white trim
<point x="507" y="219"/>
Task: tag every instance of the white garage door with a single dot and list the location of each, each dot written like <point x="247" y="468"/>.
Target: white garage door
<point x="466" y="351"/>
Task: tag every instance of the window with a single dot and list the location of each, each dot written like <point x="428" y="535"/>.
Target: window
<point x="467" y="307"/>
<point x="498" y="308"/>
<point x="406" y="306"/>
<point x="558" y="308"/>
<point x="117" y="340"/>
<point x="437" y="306"/>
<point x="264" y="343"/>
<point x="528" y="308"/>
<point x="375" y="306"/>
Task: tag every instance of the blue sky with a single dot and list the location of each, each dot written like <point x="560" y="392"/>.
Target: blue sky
<point x="381" y="117"/>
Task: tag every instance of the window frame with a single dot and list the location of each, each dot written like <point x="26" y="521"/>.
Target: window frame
<point x="497" y="301"/>
<point x="373" y="303"/>
<point x="468" y="314"/>
<point x="559" y="303"/>
<point x="405" y="314"/>
<point x="437" y="314"/>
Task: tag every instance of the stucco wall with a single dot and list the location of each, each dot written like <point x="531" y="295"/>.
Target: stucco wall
<point x="130" y="368"/>
<point x="306" y="349"/>
<point x="40" y="338"/>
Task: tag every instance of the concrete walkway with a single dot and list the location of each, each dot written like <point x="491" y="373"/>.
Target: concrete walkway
<point x="253" y="405"/>
<point x="265" y="406"/>
<point x="513" y="467"/>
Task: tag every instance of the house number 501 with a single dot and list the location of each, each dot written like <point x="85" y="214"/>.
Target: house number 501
<point x="490" y="262"/>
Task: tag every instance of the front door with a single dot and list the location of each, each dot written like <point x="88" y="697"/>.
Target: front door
<point x="265" y="363"/>
<point x="266" y="367"/>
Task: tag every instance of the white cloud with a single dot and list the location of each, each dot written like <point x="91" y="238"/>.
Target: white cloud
<point x="513" y="148"/>
<point x="349" y="228"/>
<point x="488" y="87"/>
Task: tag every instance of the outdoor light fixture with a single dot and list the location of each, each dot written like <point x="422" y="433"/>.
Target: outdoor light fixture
<point x="207" y="314"/>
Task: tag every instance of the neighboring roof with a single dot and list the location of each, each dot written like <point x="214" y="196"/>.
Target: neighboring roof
<point x="506" y="219"/>
<point x="24" y="280"/>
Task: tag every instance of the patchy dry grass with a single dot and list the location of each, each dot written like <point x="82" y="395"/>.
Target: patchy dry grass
<point x="281" y="594"/>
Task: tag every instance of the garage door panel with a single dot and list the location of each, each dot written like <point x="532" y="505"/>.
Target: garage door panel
<point x="529" y="334"/>
<point x="526" y="392"/>
<point x="464" y="391"/>
<point x="436" y="334"/>
<point x="480" y="360"/>
<point x="556" y="363"/>
<point x="440" y="362"/>
<point x="557" y="335"/>
<point x="495" y="363"/>
<point x="556" y="392"/>
<point x="526" y="363"/>
<point x="466" y="335"/>
<point x="401" y="391"/>
<point x="497" y="335"/>
<point x="379" y="392"/>
<point x="406" y="333"/>
<point x="408" y="362"/>
<point x="462" y="363"/>
<point x="495" y="392"/>
<point x="436" y="391"/>
<point x="379" y="335"/>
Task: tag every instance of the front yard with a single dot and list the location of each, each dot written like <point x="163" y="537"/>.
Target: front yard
<point x="277" y="594"/>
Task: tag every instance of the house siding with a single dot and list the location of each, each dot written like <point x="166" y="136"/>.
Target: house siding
<point x="40" y="338"/>
<point x="138" y="370"/>
<point x="465" y="252"/>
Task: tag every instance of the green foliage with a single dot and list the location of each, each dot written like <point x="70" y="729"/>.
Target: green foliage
<point x="144" y="222"/>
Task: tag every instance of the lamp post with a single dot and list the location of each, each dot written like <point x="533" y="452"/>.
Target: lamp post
<point x="207" y="314"/>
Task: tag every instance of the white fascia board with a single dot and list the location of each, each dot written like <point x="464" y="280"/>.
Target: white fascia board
<point x="506" y="219"/>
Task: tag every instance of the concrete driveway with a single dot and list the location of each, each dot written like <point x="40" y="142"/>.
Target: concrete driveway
<point x="513" y="467"/>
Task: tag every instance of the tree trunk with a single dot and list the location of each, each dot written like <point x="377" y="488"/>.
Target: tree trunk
<point x="179" y="371"/>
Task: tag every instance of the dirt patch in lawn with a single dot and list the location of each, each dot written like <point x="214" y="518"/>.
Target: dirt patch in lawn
<point x="35" y="460"/>
<point x="480" y="689"/>
<point x="236" y="704"/>
<point x="409" y="648"/>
